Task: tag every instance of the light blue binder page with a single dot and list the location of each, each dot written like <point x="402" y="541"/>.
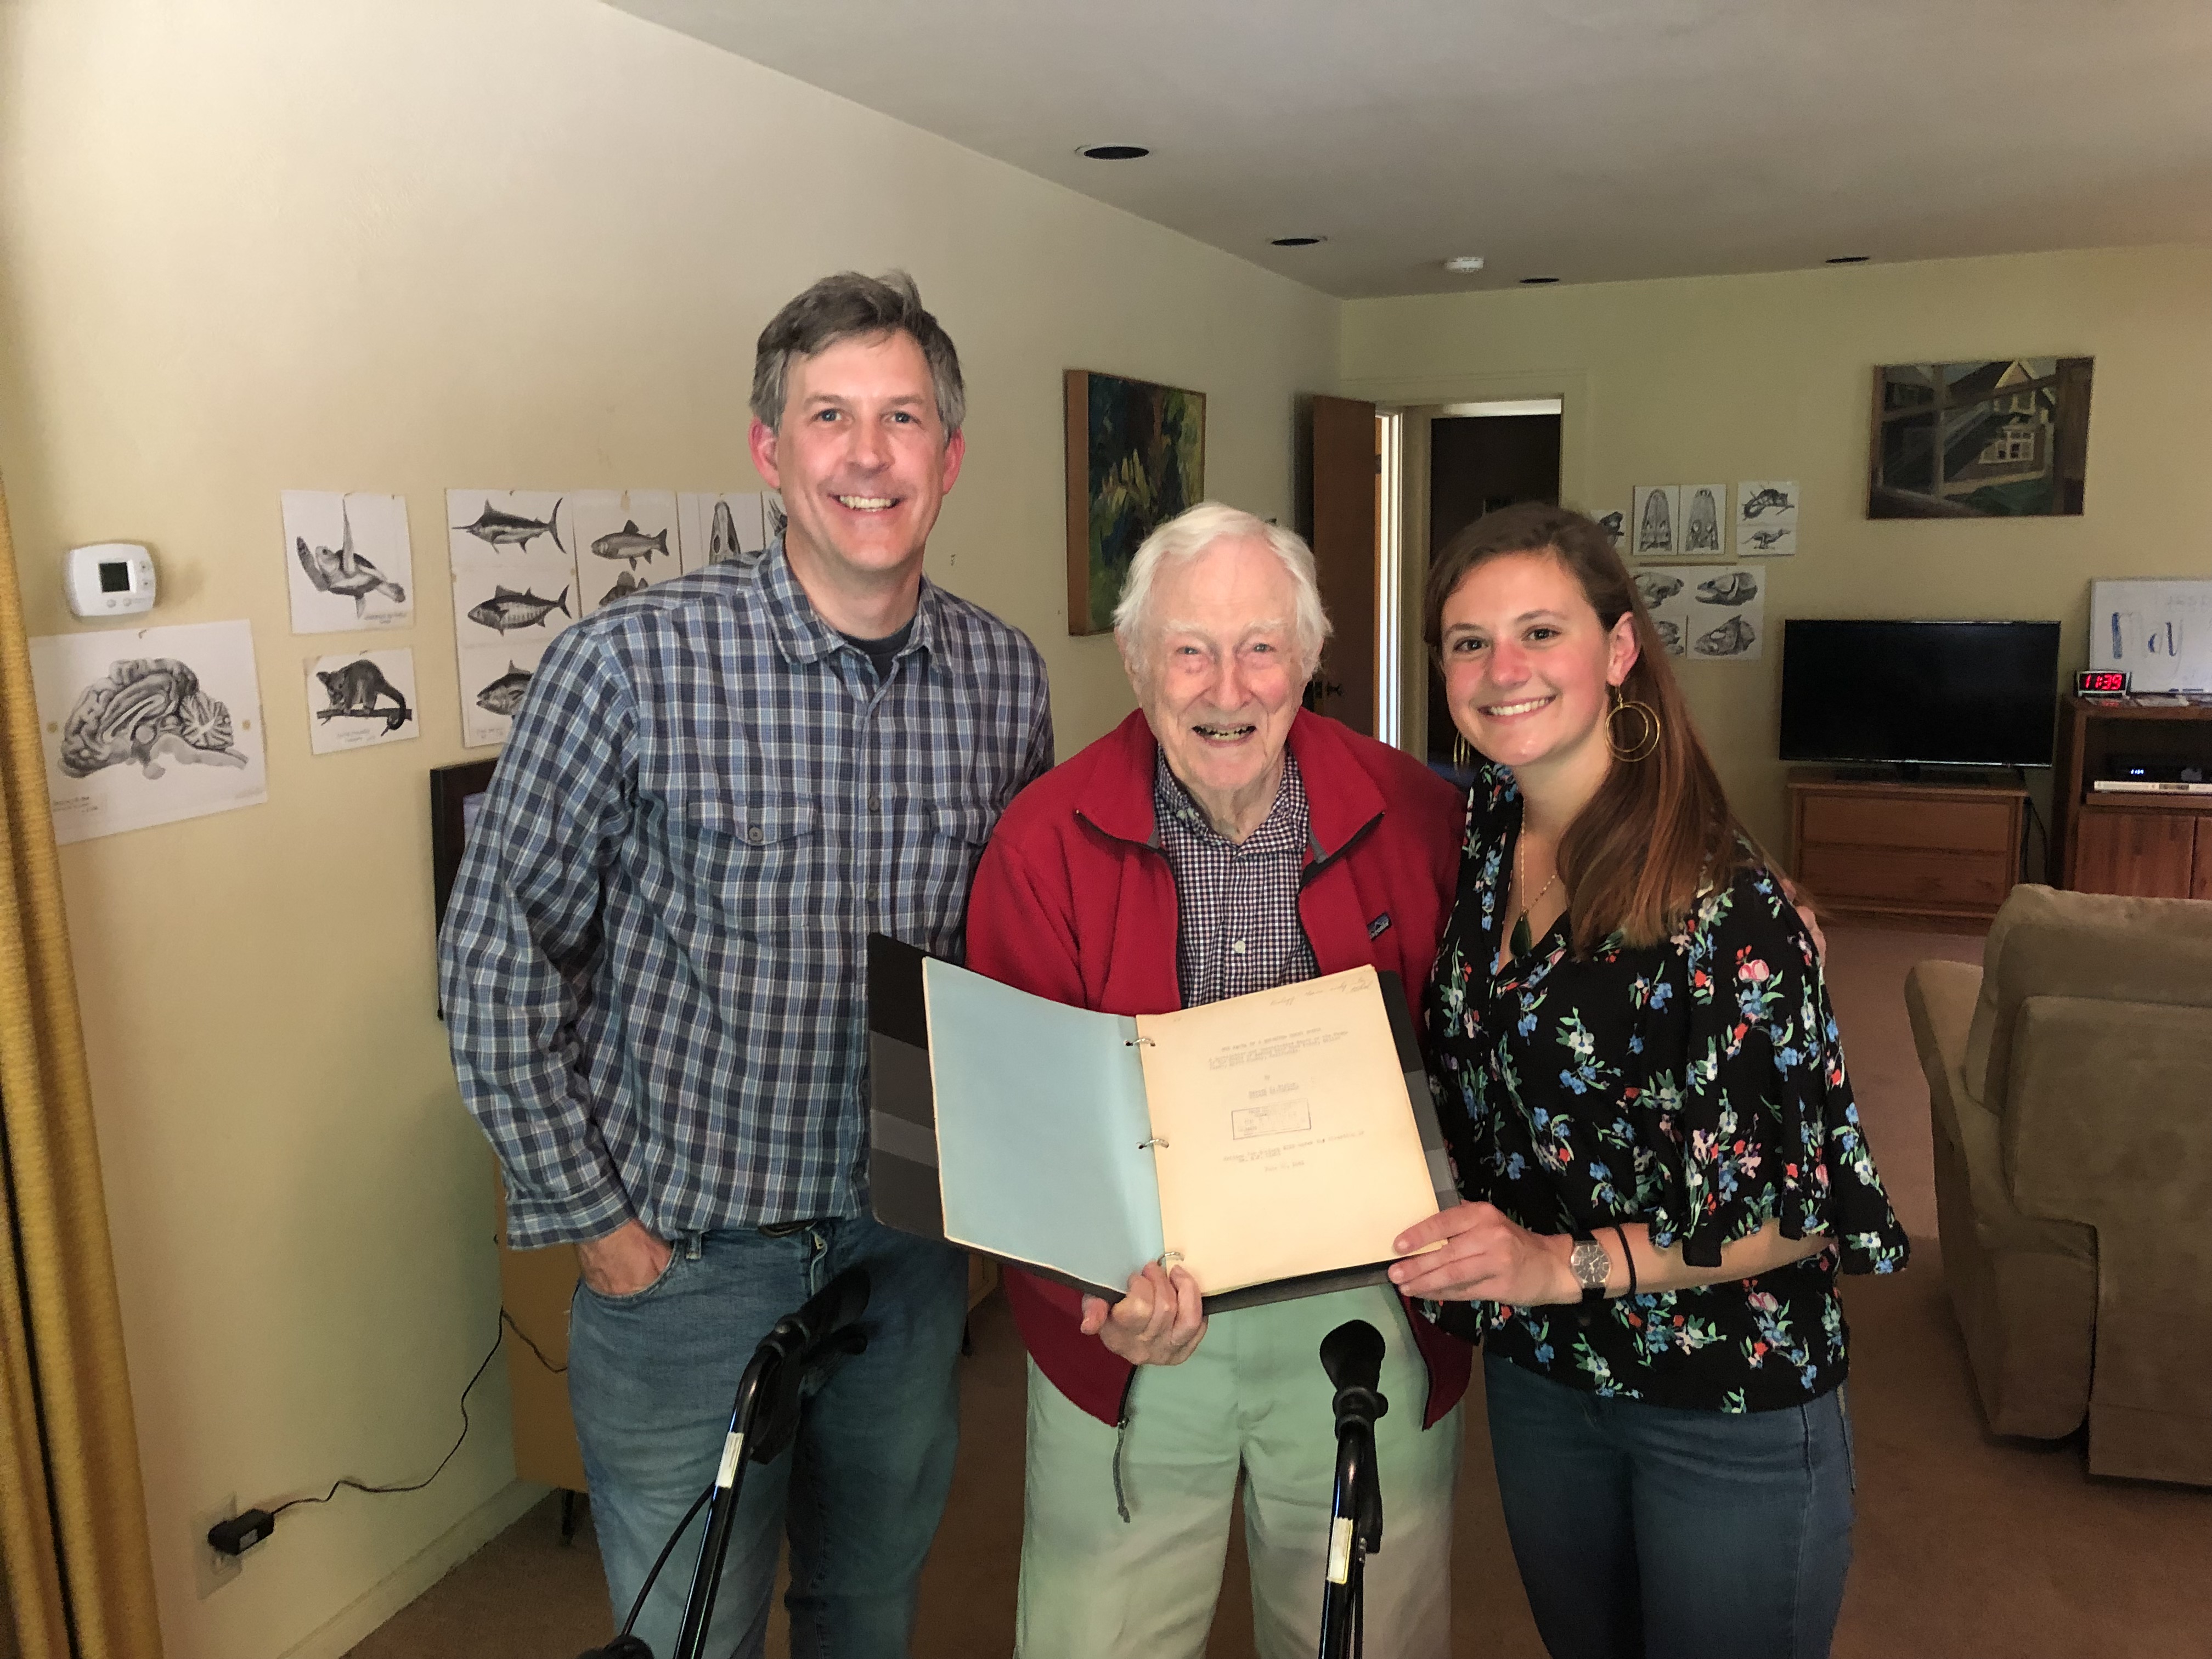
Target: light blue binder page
<point x="1041" y="1121"/>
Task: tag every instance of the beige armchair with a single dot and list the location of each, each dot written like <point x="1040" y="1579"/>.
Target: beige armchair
<point x="2070" y="1080"/>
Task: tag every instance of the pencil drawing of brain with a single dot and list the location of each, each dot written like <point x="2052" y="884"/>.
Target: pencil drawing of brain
<point x="202" y="722"/>
<point x="145" y="708"/>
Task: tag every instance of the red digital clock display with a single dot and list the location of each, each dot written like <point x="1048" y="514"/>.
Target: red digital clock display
<point x="2096" y="679"/>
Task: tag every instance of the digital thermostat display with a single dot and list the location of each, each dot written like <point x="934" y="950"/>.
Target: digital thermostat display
<point x="109" y="579"/>
<point x="2096" y="682"/>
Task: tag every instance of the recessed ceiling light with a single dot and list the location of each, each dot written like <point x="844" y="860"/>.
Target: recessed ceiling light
<point x="1850" y="259"/>
<point x="1296" y="241"/>
<point x="1113" y="152"/>
<point x="1464" y="263"/>
<point x="1537" y="282"/>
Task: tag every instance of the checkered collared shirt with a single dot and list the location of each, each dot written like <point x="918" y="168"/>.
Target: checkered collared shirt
<point x="654" y="965"/>
<point x="1237" y="903"/>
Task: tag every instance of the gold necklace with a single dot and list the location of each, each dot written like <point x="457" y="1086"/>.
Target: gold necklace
<point x="1521" y="942"/>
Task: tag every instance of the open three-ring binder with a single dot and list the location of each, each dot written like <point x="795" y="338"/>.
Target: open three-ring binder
<point x="1273" y="1144"/>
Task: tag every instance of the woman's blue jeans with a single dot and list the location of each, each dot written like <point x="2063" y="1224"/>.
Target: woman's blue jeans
<point x="651" y="1379"/>
<point x="1646" y="1532"/>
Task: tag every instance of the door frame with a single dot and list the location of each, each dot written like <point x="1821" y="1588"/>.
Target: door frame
<point x="1404" y="406"/>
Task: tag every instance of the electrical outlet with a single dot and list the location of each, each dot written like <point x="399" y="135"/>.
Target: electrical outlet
<point x="212" y="1569"/>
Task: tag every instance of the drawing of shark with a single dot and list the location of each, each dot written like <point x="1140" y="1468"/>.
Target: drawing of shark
<point x="344" y="572"/>
<point x="630" y="543"/>
<point x="507" y="609"/>
<point x="1761" y="499"/>
<point x="504" y="695"/>
<point x="722" y="541"/>
<point x="499" y="529"/>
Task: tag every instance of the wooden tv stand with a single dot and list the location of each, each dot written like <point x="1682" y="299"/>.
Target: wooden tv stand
<point x="1938" y="854"/>
<point x="2154" y="846"/>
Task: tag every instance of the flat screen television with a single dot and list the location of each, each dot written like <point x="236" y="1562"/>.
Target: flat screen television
<point x="1905" y="693"/>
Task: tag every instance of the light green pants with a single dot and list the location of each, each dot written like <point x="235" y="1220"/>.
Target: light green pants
<point x="1252" y="1400"/>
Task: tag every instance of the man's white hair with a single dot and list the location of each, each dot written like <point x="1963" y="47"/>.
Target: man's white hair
<point x="1189" y="534"/>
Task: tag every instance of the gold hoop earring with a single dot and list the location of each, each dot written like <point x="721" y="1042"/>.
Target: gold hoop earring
<point x="1647" y="734"/>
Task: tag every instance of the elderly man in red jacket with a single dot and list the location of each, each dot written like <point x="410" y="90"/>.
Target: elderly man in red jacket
<point x="1219" y="841"/>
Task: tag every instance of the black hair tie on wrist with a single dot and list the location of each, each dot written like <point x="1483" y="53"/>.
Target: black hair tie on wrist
<point x="1628" y="1256"/>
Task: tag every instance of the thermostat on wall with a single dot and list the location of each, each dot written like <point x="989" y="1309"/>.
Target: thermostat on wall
<point x="110" y="578"/>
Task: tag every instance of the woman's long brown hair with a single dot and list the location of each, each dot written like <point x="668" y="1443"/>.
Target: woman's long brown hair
<point x="1659" y="831"/>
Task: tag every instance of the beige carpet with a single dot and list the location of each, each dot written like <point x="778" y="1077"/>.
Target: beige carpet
<point x="1968" y="1547"/>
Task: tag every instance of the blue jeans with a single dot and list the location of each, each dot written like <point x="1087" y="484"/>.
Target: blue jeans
<point x="652" y="1377"/>
<point x="1645" y="1532"/>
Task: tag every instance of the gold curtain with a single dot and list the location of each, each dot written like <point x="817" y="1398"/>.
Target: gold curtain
<point x="72" y="1510"/>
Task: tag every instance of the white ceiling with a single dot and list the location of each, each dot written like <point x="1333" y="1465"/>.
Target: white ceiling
<point x="1589" y="140"/>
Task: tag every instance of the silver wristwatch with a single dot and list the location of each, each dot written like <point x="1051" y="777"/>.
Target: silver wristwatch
<point x="1592" y="1266"/>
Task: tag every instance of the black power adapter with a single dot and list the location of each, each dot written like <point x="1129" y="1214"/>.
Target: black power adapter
<point x="240" y="1533"/>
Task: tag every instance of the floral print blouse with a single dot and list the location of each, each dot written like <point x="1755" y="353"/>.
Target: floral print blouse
<point x="1695" y="1086"/>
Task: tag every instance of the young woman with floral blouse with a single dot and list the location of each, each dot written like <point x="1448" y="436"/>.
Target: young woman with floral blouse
<point x="1663" y="1168"/>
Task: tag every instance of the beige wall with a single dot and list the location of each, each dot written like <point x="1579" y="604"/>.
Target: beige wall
<point x="400" y="245"/>
<point x="1721" y="378"/>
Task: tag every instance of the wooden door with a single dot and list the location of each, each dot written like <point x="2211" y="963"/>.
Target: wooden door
<point x="2149" y="855"/>
<point x="1344" y="474"/>
<point x="2200" y="886"/>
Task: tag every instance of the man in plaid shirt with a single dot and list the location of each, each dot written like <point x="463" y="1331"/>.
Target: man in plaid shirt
<point x="652" y="971"/>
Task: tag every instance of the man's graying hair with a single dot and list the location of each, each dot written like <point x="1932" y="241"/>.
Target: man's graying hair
<point x="848" y="306"/>
<point x="1189" y="534"/>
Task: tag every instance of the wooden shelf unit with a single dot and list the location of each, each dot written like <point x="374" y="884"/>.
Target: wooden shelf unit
<point x="1941" y="854"/>
<point x="2149" y="845"/>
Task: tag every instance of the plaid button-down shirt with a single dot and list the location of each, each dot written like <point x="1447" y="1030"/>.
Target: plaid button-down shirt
<point x="654" y="965"/>
<point x="1237" y="927"/>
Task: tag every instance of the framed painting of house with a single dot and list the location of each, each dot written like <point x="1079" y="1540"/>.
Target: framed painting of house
<point x="1136" y="457"/>
<point x="2001" y="439"/>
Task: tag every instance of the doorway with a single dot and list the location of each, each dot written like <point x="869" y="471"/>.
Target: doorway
<point x="1462" y="460"/>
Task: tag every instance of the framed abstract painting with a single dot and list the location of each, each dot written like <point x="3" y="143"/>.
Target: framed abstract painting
<point x="1136" y="457"/>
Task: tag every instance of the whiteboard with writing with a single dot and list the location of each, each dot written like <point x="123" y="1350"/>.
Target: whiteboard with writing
<point x="2158" y="632"/>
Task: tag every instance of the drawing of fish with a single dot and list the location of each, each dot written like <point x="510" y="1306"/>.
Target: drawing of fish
<point x="630" y="543"/>
<point x="1657" y="590"/>
<point x="1731" y="639"/>
<point x="1763" y="539"/>
<point x="1670" y="635"/>
<point x="1736" y="587"/>
<point x="1763" y="499"/>
<point x="504" y="695"/>
<point x="1611" y="524"/>
<point x="499" y="529"/>
<point x="344" y="572"/>
<point x="624" y="586"/>
<point x="507" y="609"/>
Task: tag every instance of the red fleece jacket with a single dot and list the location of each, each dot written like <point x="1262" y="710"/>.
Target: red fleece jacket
<point x="1074" y="901"/>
